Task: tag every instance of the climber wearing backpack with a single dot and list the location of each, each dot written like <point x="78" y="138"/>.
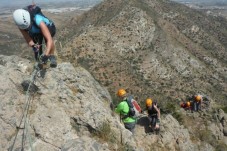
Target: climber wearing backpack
<point x="35" y="27"/>
<point x="186" y="105"/>
<point x="126" y="112"/>
<point x="153" y="114"/>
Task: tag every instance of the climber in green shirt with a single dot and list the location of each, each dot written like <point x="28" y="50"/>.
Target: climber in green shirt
<point x="123" y="109"/>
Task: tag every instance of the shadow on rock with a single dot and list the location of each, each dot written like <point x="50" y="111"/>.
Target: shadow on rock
<point x="143" y="121"/>
<point x="29" y="85"/>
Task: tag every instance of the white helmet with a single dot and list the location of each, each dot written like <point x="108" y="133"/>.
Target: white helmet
<point x="22" y="18"/>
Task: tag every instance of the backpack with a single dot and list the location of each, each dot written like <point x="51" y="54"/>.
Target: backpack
<point x="131" y="111"/>
<point x="33" y="10"/>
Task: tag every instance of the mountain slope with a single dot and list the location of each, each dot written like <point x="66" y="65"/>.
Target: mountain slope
<point x="153" y="48"/>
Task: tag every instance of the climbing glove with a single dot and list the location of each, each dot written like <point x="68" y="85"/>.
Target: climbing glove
<point x="44" y="59"/>
<point x="35" y="48"/>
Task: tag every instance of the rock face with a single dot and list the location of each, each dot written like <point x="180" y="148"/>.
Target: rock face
<point x="172" y="136"/>
<point x="70" y="111"/>
<point x="69" y="106"/>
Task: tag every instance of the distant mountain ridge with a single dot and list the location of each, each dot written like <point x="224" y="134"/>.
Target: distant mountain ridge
<point x="153" y="48"/>
<point x="6" y="5"/>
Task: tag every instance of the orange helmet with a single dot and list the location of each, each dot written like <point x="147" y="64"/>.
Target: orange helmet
<point x="188" y="104"/>
<point x="198" y="98"/>
<point x="148" y="102"/>
<point x="121" y="92"/>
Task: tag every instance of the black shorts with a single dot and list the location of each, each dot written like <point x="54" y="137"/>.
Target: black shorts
<point x="52" y="29"/>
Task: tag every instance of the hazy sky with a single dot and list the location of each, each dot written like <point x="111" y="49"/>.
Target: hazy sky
<point x="9" y="3"/>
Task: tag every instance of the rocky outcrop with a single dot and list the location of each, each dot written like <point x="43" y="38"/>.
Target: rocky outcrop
<point x="172" y="136"/>
<point x="70" y="111"/>
<point x="221" y="118"/>
<point x="69" y="107"/>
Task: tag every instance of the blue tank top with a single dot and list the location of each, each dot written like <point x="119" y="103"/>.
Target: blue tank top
<point x="36" y="24"/>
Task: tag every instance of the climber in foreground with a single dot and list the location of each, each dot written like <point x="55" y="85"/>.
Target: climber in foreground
<point x="35" y="27"/>
<point x="153" y="114"/>
<point x="126" y="114"/>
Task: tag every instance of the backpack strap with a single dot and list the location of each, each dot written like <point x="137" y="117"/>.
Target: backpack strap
<point x="33" y="10"/>
<point x="129" y="101"/>
<point x="131" y="111"/>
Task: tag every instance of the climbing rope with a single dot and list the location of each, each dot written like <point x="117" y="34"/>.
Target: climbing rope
<point x="25" y="112"/>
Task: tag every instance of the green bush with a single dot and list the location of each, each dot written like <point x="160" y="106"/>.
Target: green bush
<point x="224" y="109"/>
<point x="205" y="135"/>
<point x="179" y="117"/>
<point x="173" y="109"/>
<point x="105" y="133"/>
<point x="220" y="146"/>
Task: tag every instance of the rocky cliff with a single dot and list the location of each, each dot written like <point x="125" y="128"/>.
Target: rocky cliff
<point x="65" y="112"/>
<point x="68" y="110"/>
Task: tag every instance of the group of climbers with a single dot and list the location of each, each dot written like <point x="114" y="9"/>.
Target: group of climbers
<point x="152" y="109"/>
<point x="123" y="108"/>
<point x="193" y="103"/>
